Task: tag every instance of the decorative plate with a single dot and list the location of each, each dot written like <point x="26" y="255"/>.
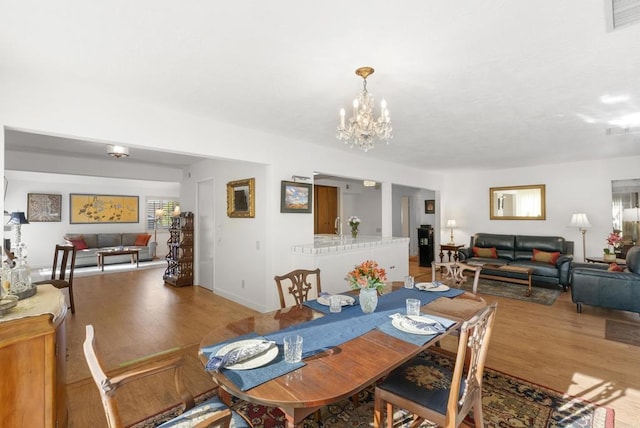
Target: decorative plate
<point x="431" y="286"/>
<point x="252" y="363"/>
<point x="345" y="300"/>
<point x="403" y="324"/>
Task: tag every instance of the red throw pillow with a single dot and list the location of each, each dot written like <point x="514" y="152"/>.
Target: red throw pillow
<point x="78" y="243"/>
<point x="545" y="257"/>
<point x="614" y="267"/>
<point x="142" y="240"/>
<point x="490" y="253"/>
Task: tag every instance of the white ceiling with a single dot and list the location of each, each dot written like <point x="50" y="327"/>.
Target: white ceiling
<point x="469" y="83"/>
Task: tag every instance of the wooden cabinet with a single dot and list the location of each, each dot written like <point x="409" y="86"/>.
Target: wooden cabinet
<point x="33" y="362"/>
<point x="179" y="272"/>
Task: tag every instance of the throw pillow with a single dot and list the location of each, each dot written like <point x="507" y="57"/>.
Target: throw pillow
<point x="545" y="257"/>
<point x="78" y="243"/>
<point x="614" y="267"/>
<point x="142" y="240"/>
<point x="485" y="252"/>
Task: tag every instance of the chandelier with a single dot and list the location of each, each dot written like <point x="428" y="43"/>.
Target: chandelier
<point x="362" y="129"/>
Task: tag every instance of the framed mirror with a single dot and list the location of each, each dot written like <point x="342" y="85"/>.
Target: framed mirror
<point x="625" y="197"/>
<point x="241" y="198"/>
<point x="517" y="203"/>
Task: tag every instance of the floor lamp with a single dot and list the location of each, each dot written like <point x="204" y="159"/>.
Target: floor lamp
<point x="581" y="221"/>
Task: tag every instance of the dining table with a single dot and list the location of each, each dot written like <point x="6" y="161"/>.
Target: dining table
<point x="343" y="353"/>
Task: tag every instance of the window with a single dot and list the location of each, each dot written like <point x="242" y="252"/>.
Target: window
<point x="166" y="205"/>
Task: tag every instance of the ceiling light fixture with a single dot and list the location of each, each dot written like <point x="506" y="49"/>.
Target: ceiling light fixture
<point x="368" y="183"/>
<point x="362" y="128"/>
<point x="118" y="151"/>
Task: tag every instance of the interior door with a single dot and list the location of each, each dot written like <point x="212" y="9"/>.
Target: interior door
<point x="325" y="200"/>
<point x="204" y="235"/>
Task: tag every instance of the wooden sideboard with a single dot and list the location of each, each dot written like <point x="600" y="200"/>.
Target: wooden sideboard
<point x="33" y="362"/>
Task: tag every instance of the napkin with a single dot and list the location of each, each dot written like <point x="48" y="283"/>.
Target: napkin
<point x="237" y="355"/>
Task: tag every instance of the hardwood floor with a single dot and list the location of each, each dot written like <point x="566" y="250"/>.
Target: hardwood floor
<point x="137" y="317"/>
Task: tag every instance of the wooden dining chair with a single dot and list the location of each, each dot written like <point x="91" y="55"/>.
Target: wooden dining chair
<point x="212" y="412"/>
<point x="434" y="392"/>
<point x="63" y="257"/>
<point x="298" y="284"/>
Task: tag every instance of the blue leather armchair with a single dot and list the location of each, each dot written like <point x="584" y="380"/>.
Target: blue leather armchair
<point x="592" y="284"/>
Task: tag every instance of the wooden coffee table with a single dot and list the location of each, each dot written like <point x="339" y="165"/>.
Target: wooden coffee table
<point x="506" y="268"/>
<point x="133" y="252"/>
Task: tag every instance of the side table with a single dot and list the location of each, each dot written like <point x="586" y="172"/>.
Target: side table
<point x="451" y="249"/>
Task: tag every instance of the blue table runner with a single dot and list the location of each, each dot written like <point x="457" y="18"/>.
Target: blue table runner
<point x="333" y="330"/>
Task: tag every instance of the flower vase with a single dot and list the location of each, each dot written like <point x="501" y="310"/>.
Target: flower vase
<point x="368" y="300"/>
<point x="354" y="233"/>
<point x="609" y="257"/>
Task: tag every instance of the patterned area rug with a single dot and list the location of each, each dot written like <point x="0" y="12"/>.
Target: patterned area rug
<point x="624" y="332"/>
<point x="507" y="402"/>
<point x="541" y="295"/>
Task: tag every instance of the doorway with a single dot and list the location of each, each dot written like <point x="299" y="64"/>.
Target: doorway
<point x="405" y="222"/>
<point x="205" y="239"/>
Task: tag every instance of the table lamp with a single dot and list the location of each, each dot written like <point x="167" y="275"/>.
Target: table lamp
<point x="20" y="274"/>
<point x="451" y="224"/>
<point x="581" y="221"/>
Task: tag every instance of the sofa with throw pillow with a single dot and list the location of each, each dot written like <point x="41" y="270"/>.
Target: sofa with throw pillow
<point x="88" y="244"/>
<point x="549" y="256"/>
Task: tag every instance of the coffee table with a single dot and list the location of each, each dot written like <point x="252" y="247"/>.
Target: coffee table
<point x="133" y="252"/>
<point x="507" y="268"/>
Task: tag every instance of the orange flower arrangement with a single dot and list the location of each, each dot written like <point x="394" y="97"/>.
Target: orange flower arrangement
<point x="367" y="275"/>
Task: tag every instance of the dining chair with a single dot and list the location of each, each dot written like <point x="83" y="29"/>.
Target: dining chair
<point x="63" y="257"/>
<point x="436" y="393"/>
<point x="298" y="283"/>
<point x="212" y="412"/>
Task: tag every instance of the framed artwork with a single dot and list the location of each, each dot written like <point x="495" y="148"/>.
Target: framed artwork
<point x="295" y="197"/>
<point x="430" y="206"/>
<point x="44" y="207"/>
<point x="241" y="198"/>
<point x="90" y="208"/>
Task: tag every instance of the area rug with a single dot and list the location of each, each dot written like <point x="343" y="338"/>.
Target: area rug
<point x="541" y="295"/>
<point x="507" y="402"/>
<point x="624" y="332"/>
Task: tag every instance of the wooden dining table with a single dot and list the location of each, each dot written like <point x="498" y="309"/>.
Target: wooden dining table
<point x="338" y="372"/>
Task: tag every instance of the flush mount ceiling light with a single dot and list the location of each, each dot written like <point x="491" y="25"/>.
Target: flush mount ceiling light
<point x="363" y="129"/>
<point x="118" y="151"/>
<point x="368" y="183"/>
<point x="623" y="130"/>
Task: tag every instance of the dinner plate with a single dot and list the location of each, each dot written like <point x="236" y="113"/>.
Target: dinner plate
<point x="430" y="286"/>
<point x="252" y="363"/>
<point x="402" y="324"/>
<point x="345" y="300"/>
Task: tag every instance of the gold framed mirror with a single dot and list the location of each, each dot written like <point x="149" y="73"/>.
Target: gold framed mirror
<point x="241" y="198"/>
<point x="517" y="202"/>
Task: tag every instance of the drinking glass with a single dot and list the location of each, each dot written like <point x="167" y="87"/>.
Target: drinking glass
<point x="293" y="348"/>
<point x="408" y="281"/>
<point x="335" y="303"/>
<point x="413" y="307"/>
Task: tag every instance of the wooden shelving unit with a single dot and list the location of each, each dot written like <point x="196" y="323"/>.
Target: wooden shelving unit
<point x="179" y="272"/>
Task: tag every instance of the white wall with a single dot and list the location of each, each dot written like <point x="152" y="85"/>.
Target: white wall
<point x="41" y="237"/>
<point x="417" y="215"/>
<point x="570" y="188"/>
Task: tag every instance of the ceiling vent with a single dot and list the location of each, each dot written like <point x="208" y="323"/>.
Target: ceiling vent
<point x="621" y="13"/>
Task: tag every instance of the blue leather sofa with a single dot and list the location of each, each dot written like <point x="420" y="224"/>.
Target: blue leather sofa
<point x="593" y="284"/>
<point x="517" y="250"/>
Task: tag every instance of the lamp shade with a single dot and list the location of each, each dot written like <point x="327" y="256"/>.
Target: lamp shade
<point x="451" y="223"/>
<point x="580" y="221"/>
<point x="159" y="213"/>
<point x="17" y="218"/>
